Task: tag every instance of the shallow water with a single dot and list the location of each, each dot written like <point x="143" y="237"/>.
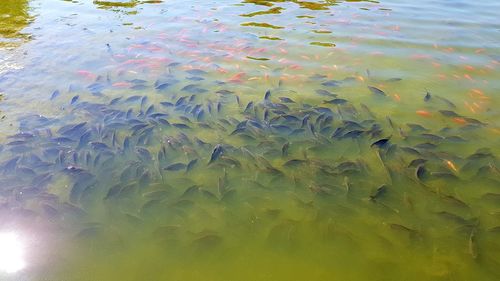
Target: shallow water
<point x="254" y="140"/>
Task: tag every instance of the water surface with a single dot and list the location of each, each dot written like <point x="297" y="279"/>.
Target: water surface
<point x="253" y="140"/>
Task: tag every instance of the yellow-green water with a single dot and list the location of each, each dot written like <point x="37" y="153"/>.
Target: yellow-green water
<point x="89" y="88"/>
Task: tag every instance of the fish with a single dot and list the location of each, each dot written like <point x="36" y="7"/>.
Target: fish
<point x="449" y="113"/>
<point x="376" y="91"/>
<point x="416" y="127"/>
<point x="224" y="92"/>
<point x="191" y="164"/>
<point x="399" y="227"/>
<point x="417" y="162"/>
<point x="248" y="107"/>
<point x="175" y="167"/>
<point x="267" y="95"/>
<point x="74" y="99"/>
<point x="331" y="83"/>
<point x="216" y="153"/>
<point x="427" y="96"/>
<point x="194" y="89"/>
<point x="163" y="86"/>
<point x="195" y="78"/>
<point x="181" y="126"/>
<point x="472" y="244"/>
<point x="322" y="92"/>
<point x="336" y="101"/>
<point x="55" y="94"/>
<point x="294" y="162"/>
<point x="395" y="79"/>
<point x="421" y="173"/>
<point x="381" y="190"/>
<point x="447" y="101"/>
<point x="196" y="72"/>
<point x="132" y="98"/>
<point x="284" y="149"/>
<point x="381" y="143"/>
<point x="286" y="100"/>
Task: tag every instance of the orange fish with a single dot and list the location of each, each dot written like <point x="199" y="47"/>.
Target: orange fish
<point x="121" y="84"/>
<point x="424" y="113"/>
<point x="451" y="165"/>
<point x="86" y="74"/>
<point x="459" y="120"/>
<point x="237" y="77"/>
<point x="469" y="67"/>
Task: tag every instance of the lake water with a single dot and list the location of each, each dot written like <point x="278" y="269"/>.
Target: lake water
<point x="253" y="140"/>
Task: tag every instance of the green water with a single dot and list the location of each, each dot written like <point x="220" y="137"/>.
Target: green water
<point x="373" y="155"/>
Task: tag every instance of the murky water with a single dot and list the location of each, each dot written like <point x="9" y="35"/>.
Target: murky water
<point x="254" y="140"/>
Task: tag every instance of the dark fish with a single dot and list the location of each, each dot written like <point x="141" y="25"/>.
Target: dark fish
<point x="416" y="127"/>
<point x="331" y="83"/>
<point x="382" y="143"/>
<point x="139" y="87"/>
<point x="417" y="162"/>
<point x="294" y="162"/>
<point x="472" y="247"/>
<point x="249" y="106"/>
<point x="166" y="104"/>
<point x="431" y="137"/>
<point x="353" y="134"/>
<point x="449" y="113"/>
<point x="425" y="145"/>
<point x="216" y="153"/>
<point x="317" y="77"/>
<point x="336" y="101"/>
<point x="74" y="99"/>
<point x="224" y="92"/>
<point x="132" y="98"/>
<point x="400" y="227"/>
<point x="193" y="89"/>
<point x="175" y="167"/>
<point x="396" y="79"/>
<point x="144" y="100"/>
<point x="286" y="100"/>
<point x="196" y="72"/>
<point x="10" y="165"/>
<point x="447" y="101"/>
<point x="445" y="175"/>
<point x="115" y="101"/>
<point x="181" y="126"/>
<point x="379" y="192"/>
<point x="143" y="154"/>
<point x="137" y="81"/>
<point x="457" y="219"/>
<point x="55" y="94"/>
<point x="322" y="92"/>
<point x="474" y="121"/>
<point x="427" y="96"/>
<point x="376" y="91"/>
<point x="195" y="78"/>
<point x="113" y="192"/>
<point x="284" y="149"/>
<point x="162" y="86"/>
<point x="267" y="95"/>
<point x="421" y="173"/>
<point x="191" y="164"/>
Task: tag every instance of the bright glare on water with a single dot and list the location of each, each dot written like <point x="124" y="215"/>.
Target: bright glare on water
<point x="11" y="253"/>
<point x="249" y="140"/>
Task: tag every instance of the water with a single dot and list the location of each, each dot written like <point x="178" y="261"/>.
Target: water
<point x="104" y="104"/>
